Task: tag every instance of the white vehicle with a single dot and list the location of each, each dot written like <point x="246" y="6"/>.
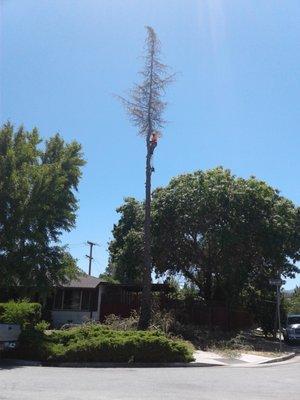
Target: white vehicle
<point x="9" y="335"/>
<point x="291" y="330"/>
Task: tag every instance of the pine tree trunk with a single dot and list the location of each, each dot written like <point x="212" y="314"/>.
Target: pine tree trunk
<point x="145" y="108"/>
<point x="145" y="315"/>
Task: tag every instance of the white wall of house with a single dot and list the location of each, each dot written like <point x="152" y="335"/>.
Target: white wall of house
<point x="61" y="317"/>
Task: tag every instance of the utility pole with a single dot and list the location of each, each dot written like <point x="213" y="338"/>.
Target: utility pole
<point x="90" y="257"/>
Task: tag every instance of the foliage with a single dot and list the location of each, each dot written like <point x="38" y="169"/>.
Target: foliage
<point x="191" y="332"/>
<point x="42" y="326"/>
<point x="145" y="106"/>
<point x="37" y="203"/>
<point x="107" y="277"/>
<point x="232" y="347"/>
<point x="33" y="345"/>
<point x="126" y="248"/>
<point x="161" y="320"/>
<point x="226" y="235"/>
<point x="262" y="303"/>
<point x="232" y="235"/>
<point x="188" y="291"/>
<point x="94" y="342"/>
<point x="20" y="312"/>
<point x="116" y="322"/>
<point x="293" y="303"/>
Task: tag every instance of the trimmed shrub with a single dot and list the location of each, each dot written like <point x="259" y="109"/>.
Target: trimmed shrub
<point x="42" y="326"/>
<point x="33" y="345"/>
<point x="20" y="312"/>
<point x="97" y="343"/>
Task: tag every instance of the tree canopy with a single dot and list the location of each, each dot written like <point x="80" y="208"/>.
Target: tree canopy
<point x="293" y="302"/>
<point x="126" y="248"/>
<point x="38" y="181"/>
<point x="226" y="235"/>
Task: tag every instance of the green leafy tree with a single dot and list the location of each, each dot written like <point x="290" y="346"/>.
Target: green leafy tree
<point x="293" y="303"/>
<point x="37" y="204"/>
<point x="126" y="248"/>
<point x="227" y="235"/>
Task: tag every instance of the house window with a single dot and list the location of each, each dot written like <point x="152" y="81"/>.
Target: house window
<point x="94" y="300"/>
<point x="58" y="299"/>
<point x="72" y="299"/>
<point x="89" y="300"/>
<point x="76" y="299"/>
<point x="85" y="302"/>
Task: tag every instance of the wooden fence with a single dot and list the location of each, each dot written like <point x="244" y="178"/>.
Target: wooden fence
<point x="188" y="312"/>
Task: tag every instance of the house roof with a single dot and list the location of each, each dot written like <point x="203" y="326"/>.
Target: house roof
<point x="91" y="282"/>
<point x="87" y="282"/>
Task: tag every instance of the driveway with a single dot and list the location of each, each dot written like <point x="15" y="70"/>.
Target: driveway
<point x="278" y="381"/>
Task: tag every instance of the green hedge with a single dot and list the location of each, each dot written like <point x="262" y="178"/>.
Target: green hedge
<point x="101" y="344"/>
<point x="20" y="312"/>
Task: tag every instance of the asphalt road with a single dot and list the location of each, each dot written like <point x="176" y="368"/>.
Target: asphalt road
<point x="281" y="381"/>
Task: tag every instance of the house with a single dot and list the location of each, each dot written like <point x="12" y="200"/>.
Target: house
<point x="90" y="298"/>
<point x="77" y="301"/>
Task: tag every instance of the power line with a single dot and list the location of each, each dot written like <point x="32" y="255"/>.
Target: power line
<point x="97" y="261"/>
<point x="76" y="244"/>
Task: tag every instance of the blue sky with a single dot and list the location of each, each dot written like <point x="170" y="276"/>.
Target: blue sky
<point x="235" y="102"/>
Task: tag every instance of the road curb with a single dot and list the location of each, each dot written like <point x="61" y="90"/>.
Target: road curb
<point x="19" y="363"/>
<point x="27" y="363"/>
<point x="279" y="359"/>
<point x="131" y="365"/>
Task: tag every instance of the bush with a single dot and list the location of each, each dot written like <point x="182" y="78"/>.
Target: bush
<point x="42" y="326"/>
<point x="116" y="322"/>
<point x="20" y="312"/>
<point x="237" y="343"/>
<point x="161" y="320"/>
<point x="33" y="345"/>
<point x="293" y="303"/>
<point x="92" y="342"/>
<point x="191" y="332"/>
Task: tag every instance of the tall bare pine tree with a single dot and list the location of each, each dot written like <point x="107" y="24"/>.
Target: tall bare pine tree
<point x="145" y="107"/>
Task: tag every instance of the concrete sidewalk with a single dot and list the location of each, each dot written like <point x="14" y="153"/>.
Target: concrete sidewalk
<point x="210" y="358"/>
